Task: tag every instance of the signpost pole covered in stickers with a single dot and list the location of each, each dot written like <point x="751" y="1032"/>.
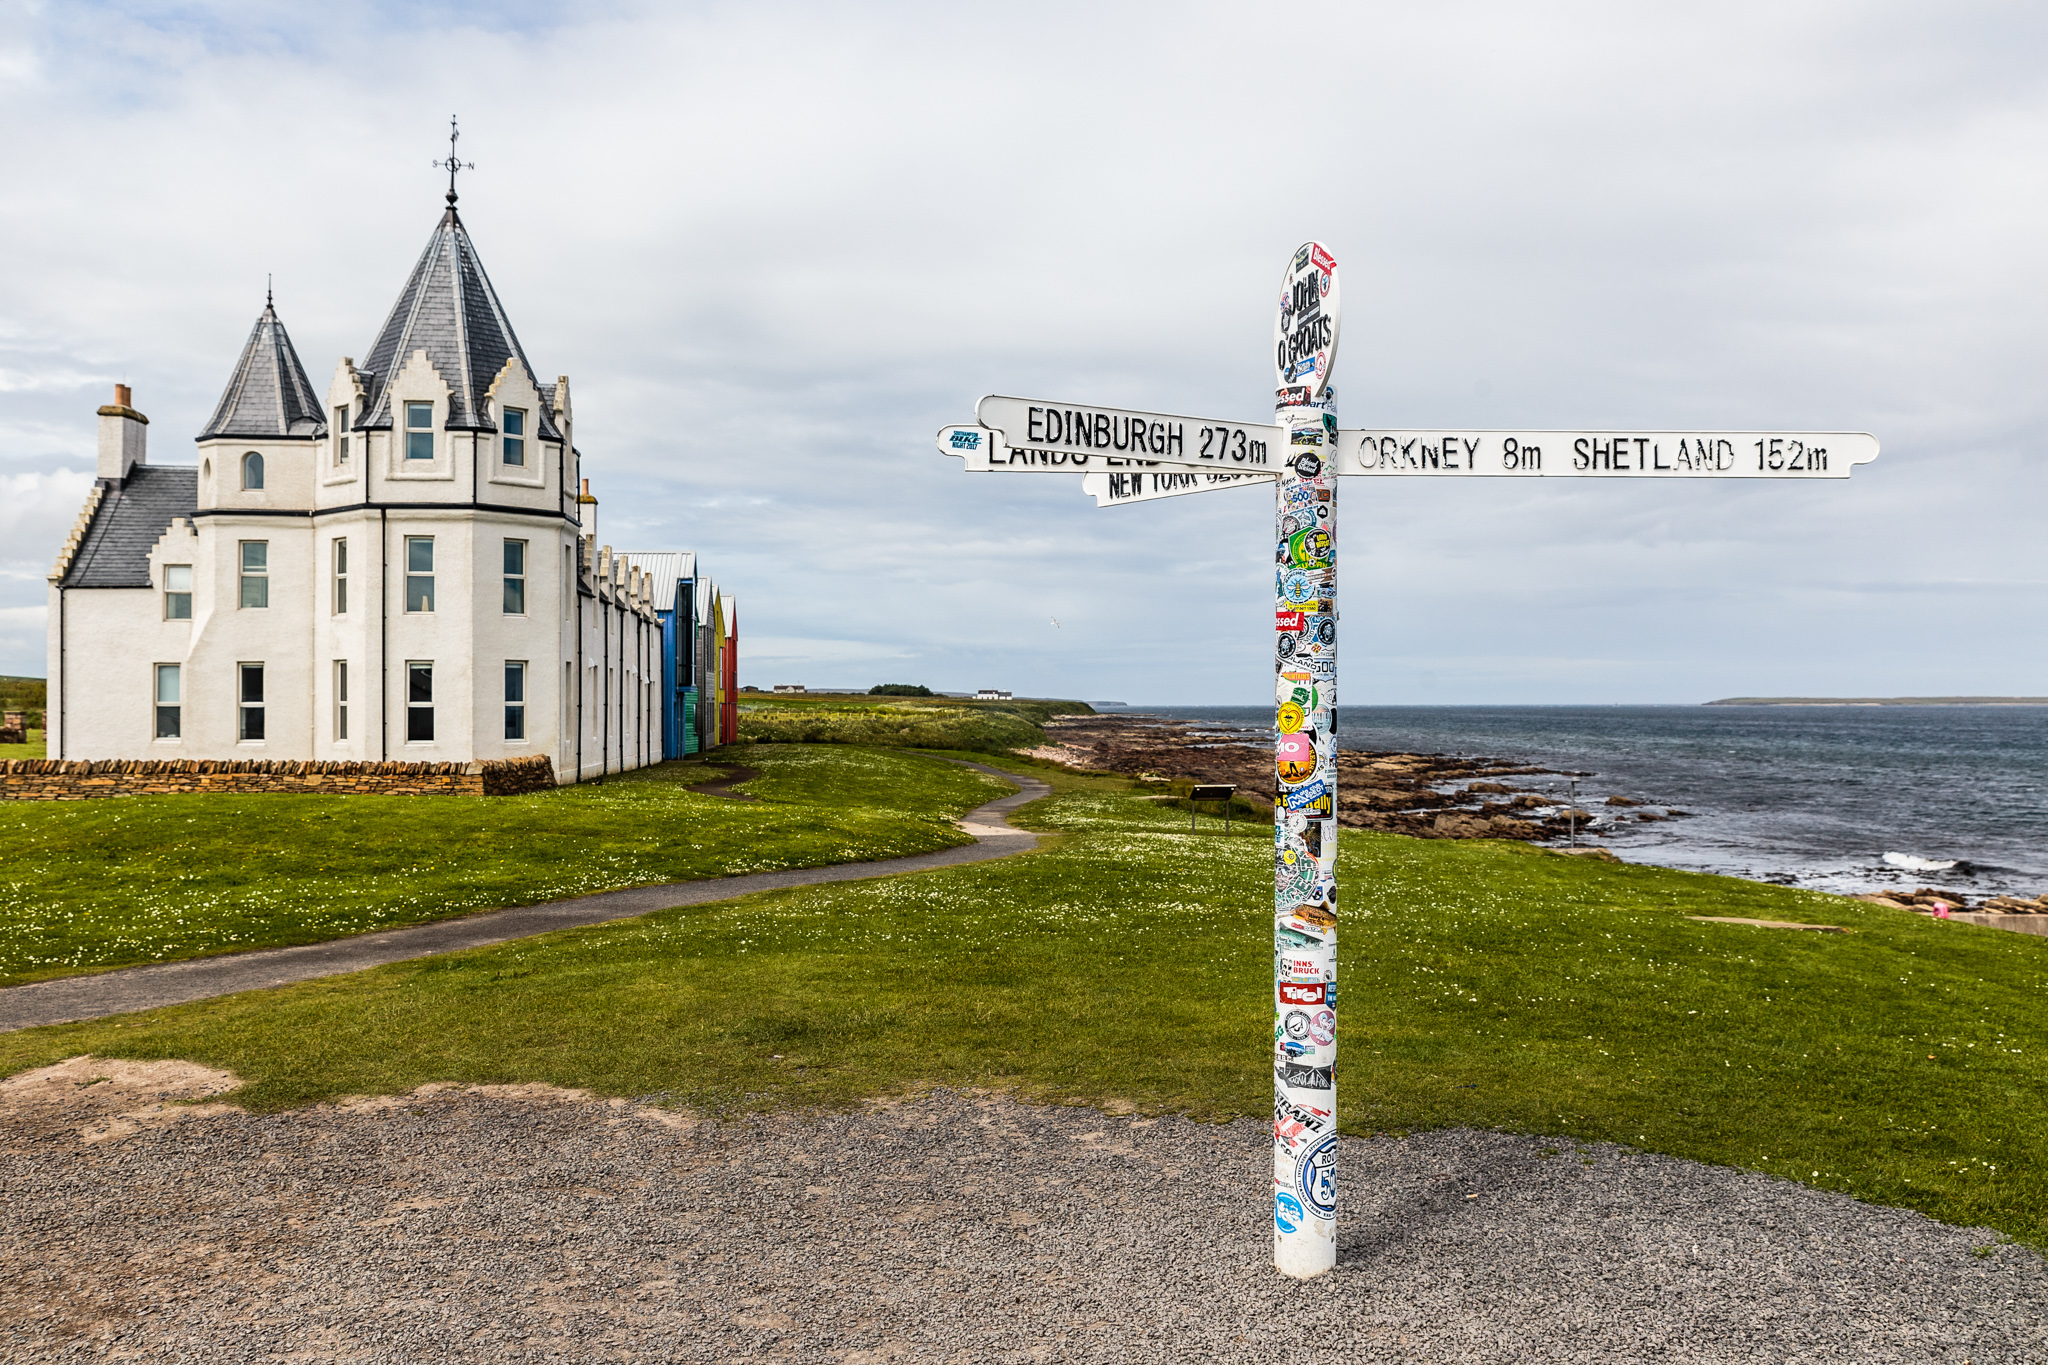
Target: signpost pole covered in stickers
<point x="1125" y="455"/>
<point x="1305" y="764"/>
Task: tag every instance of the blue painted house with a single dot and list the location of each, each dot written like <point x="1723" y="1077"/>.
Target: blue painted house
<point x="680" y="602"/>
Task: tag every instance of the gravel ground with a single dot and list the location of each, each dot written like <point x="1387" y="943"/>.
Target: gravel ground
<point x="514" y="1225"/>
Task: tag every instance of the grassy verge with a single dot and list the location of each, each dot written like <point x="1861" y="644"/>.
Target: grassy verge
<point x="89" y="885"/>
<point x="35" y="748"/>
<point x="919" y="723"/>
<point x="1127" y="962"/>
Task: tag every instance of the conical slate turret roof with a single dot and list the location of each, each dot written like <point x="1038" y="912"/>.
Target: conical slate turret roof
<point x="449" y="310"/>
<point x="269" y="396"/>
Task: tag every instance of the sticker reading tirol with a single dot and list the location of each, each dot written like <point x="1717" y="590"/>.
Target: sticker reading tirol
<point x="1305" y="329"/>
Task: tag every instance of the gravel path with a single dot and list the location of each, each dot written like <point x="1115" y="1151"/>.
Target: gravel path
<point x="175" y="983"/>
<point x="489" y="1226"/>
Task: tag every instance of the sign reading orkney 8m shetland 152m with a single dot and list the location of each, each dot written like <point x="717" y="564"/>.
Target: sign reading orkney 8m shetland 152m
<point x="1652" y="454"/>
<point x="1127" y="456"/>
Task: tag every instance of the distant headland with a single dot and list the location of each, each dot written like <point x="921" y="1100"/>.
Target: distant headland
<point x="1879" y="701"/>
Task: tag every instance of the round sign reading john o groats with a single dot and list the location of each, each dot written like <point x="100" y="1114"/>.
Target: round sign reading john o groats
<point x="1305" y="332"/>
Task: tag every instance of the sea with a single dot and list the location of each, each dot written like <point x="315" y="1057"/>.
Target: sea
<point x="1835" y="798"/>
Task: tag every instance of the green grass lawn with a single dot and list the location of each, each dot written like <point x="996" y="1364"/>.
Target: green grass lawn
<point x="35" y="748"/>
<point x="982" y="727"/>
<point x="88" y="885"/>
<point x="1128" y="963"/>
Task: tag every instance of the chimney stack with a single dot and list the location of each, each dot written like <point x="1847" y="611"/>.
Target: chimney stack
<point x="123" y="436"/>
<point x="586" y="512"/>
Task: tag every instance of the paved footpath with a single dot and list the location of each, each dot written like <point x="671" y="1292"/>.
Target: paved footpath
<point x="175" y="983"/>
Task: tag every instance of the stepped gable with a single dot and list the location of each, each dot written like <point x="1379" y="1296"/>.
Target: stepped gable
<point x="269" y="397"/>
<point x="131" y="518"/>
<point x="449" y="310"/>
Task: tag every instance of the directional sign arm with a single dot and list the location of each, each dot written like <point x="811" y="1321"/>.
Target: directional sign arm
<point x="1114" y="488"/>
<point x="1607" y="454"/>
<point x="1070" y="436"/>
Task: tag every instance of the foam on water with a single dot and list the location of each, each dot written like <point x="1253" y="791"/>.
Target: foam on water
<point x="1813" y="796"/>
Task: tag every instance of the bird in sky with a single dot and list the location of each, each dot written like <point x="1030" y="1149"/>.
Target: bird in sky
<point x="1055" y="620"/>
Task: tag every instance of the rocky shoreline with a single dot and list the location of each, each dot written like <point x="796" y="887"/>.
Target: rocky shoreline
<point x="1427" y="796"/>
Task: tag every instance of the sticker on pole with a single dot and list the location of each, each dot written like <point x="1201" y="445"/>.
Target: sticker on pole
<point x="1305" y="331"/>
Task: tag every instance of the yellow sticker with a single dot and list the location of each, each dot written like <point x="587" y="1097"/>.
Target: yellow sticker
<point x="1292" y="718"/>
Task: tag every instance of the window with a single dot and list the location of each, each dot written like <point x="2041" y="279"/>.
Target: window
<point x="168" y="712"/>
<point x="514" y="423"/>
<point x="515" y="578"/>
<point x="515" y="700"/>
<point x="419" y="703"/>
<point x="341" y="699"/>
<point x="255" y="573"/>
<point x="340" y="603"/>
<point x="177" y="592"/>
<point x="419" y="431"/>
<point x="251" y="701"/>
<point x="252" y="470"/>
<point x="419" y="573"/>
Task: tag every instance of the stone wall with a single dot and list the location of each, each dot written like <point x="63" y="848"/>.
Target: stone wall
<point x="48" y="779"/>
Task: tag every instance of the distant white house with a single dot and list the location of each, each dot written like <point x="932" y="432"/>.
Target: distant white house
<point x="789" y="687"/>
<point x="991" y="694"/>
<point x="403" y="567"/>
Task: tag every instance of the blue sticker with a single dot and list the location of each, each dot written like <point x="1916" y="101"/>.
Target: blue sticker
<point x="1301" y="798"/>
<point x="1287" y="1214"/>
<point x="967" y="440"/>
<point x="1315" y="1177"/>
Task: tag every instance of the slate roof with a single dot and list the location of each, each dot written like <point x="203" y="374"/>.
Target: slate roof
<point x="269" y="395"/>
<point x="449" y="310"/>
<point x="133" y="515"/>
<point x="666" y="568"/>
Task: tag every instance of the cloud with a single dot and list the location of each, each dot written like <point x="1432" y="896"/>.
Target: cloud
<point x="777" y="246"/>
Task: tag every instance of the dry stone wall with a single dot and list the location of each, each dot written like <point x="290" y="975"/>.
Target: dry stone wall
<point x="48" y="779"/>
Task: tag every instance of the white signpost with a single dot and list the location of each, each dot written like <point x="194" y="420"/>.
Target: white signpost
<point x="1127" y="456"/>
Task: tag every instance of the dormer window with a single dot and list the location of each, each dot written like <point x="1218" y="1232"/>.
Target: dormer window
<point x="252" y="471"/>
<point x="340" y="436"/>
<point x="419" y="431"/>
<point x="514" y="423"/>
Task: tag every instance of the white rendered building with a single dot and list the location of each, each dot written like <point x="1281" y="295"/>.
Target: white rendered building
<point x="401" y="571"/>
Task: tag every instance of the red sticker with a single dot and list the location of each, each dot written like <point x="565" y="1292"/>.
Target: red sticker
<point x="1297" y="993"/>
<point x="1287" y="620"/>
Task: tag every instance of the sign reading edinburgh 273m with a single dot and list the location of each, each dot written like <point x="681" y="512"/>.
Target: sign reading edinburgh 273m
<point x="1125" y="455"/>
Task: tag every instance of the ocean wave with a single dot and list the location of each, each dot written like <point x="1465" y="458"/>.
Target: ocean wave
<point x="1913" y="864"/>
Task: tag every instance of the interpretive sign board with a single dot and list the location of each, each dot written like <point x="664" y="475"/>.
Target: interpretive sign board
<point x="1127" y="456"/>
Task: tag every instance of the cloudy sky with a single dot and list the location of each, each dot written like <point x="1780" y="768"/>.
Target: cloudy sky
<point x="775" y="246"/>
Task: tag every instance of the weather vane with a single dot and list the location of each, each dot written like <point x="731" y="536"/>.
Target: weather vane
<point x="451" y="164"/>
